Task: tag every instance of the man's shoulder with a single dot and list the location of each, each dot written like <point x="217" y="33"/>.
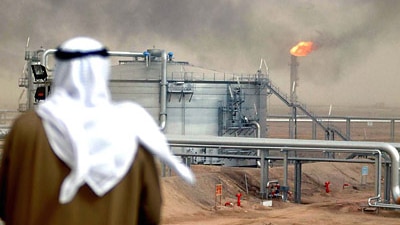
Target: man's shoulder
<point x="25" y="126"/>
<point x="28" y="118"/>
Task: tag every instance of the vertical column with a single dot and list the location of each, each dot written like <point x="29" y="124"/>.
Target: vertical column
<point x="293" y="124"/>
<point x="285" y="187"/>
<point x="348" y="135"/>
<point x="297" y="183"/>
<point x="388" y="184"/>
<point x="314" y="130"/>
<point x="163" y="91"/>
<point x="378" y="164"/>
<point x="30" y="90"/>
<point x="264" y="165"/>
<point x="293" y="78"/>
<point x="392" y="130"/>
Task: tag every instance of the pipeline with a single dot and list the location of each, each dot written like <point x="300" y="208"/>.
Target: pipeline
<point x="163" y="90"/>
<point x="163" y="85"/>
<point x="264" y="164"/>
<point x="267" y="144"/>
<point x="111" y="53"/>
<point x="153" y="52"/>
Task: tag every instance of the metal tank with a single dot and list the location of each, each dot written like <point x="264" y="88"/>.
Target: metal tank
<point x="194" y="100"/>
<point x="184" y="99"/>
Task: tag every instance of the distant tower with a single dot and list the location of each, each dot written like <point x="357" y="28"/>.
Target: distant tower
<point x="294" y="78"/>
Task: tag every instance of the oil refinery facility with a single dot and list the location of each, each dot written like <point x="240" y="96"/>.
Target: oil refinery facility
<point x="219" y="118"/>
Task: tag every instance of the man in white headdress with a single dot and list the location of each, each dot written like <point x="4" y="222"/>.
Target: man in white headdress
<point x="80" y="158"/>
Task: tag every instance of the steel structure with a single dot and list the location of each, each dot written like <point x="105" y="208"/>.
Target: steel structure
<point x="266" y="145"/>
<point x="195" y="100"/>
<point x="228" y="108"/>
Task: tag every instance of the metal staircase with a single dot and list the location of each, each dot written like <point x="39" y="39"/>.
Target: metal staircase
<point x="329" y="129"/>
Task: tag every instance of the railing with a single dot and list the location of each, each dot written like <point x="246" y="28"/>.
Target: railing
<point x="275" y="89"/>
<point x="284" y="98"/>
<point x="214" y="76"/>
<point x="264" y="145"/>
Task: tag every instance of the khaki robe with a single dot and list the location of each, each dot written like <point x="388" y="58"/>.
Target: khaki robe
<point x="31" y="176"/>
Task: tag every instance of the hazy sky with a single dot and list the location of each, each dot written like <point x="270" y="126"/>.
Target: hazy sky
<point x="356" y="60"/>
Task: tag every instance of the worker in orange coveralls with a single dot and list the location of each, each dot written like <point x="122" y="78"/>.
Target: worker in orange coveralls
<point x="238" y="195"/>
<point x="327" y="183"/>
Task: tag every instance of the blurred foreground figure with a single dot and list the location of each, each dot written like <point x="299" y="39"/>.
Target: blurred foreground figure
<point x="80" y="158"/>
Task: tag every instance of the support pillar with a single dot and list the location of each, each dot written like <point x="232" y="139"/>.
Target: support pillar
<point x="297" y="182"/>
<point x="264" y="166"/>
<point x="348" y="126"/>
<point x="392" y="131"/>
<point x="378" y="175"/>
<point x="285" y="187"/>
<point x="314" y="130"/>
<point x="388" y="183"/>
<point x="293" y="124"/>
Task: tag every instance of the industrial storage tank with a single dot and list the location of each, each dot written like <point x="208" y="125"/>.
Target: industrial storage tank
<point x="190" y="100"/>
<point x="183" y="98"/>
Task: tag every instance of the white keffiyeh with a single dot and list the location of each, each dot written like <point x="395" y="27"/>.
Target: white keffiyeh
<point x="95" y="137"/>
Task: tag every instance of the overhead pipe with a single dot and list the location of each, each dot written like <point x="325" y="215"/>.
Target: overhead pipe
<point x="377" y="153"/>
<point x="378" y="173"/>
<point x="44" y="58"/>
<point x="264" y="164"/>
<point x="147" y="58"/>
<point x="111" y="53"/>
<point x="267" y="143"/>
<point x="163" y="83"/>
<point x="163" y="91"/>
<point x="367" y="161"/>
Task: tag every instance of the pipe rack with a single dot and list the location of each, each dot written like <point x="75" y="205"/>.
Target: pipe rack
<point x="264" y="144"/>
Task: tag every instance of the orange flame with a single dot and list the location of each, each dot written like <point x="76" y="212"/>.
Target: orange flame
<point x="302" y="48"/>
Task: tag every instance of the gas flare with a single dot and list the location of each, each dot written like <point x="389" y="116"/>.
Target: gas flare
<point x="302" y="48"/>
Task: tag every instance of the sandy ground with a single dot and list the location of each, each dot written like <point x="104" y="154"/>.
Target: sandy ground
<point x="192" y="205"/>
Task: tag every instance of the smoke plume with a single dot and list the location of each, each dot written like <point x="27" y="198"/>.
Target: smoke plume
<point x="355" y="61"/>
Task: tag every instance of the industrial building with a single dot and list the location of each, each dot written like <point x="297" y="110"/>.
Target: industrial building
<point x="191" y="100"/>
<point x="192" y="103"/>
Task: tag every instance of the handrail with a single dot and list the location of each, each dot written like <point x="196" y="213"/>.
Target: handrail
<point x="284" y="98"/>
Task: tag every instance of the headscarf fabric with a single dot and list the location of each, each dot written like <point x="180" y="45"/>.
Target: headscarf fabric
<point x="95" y="137"/>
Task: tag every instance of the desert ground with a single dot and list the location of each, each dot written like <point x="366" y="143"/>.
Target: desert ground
<point x="191" y="205"/>
<point x="184" y="204"/>
<point x="197" y="204"/>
